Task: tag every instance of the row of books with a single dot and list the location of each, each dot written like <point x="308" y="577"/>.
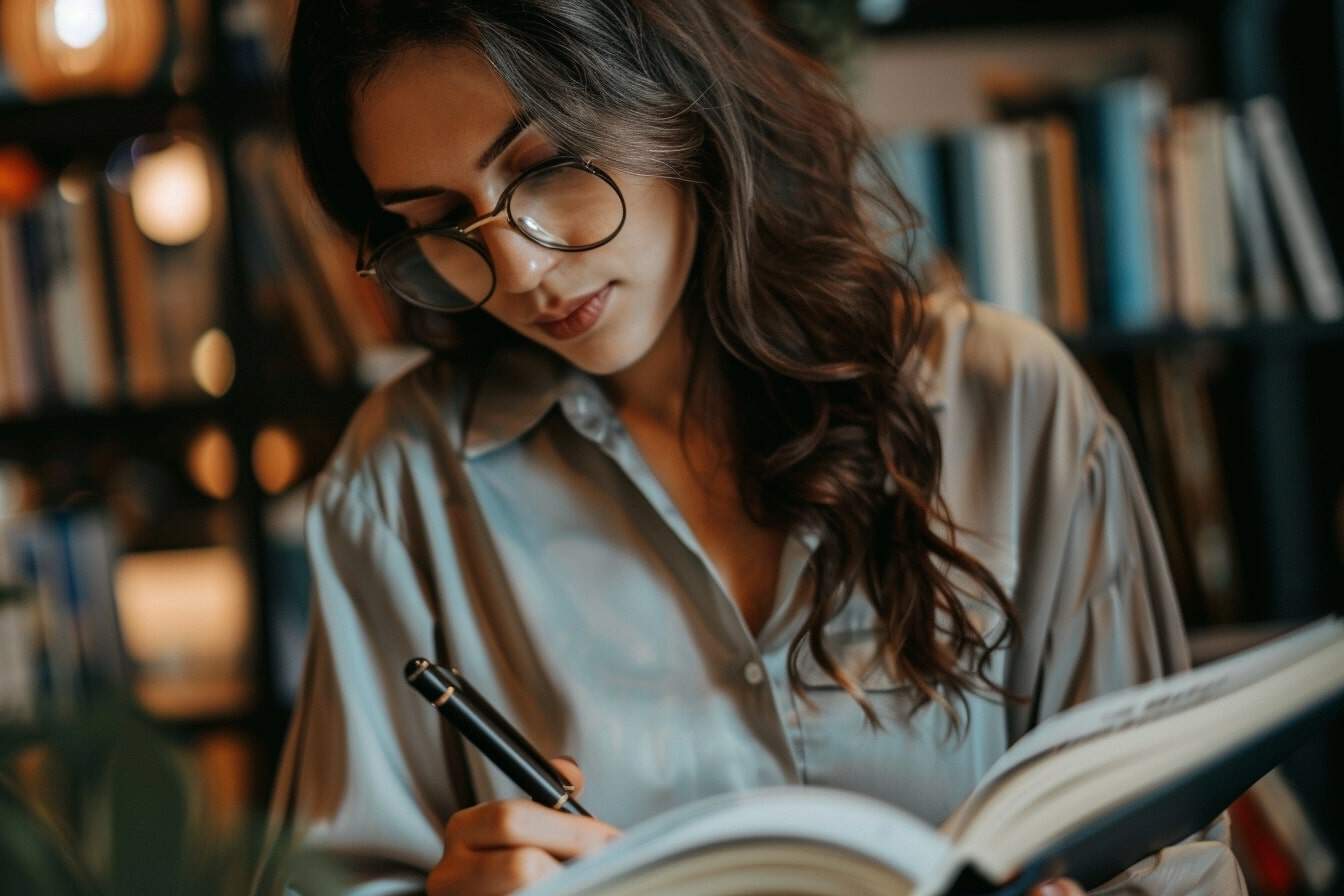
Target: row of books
<point x="1282" y="852"/>
<point x="1115" y="209"/>
<point x="58" y="621"/>
<point x="93" y="311"/>
<point x="169" y="629"/>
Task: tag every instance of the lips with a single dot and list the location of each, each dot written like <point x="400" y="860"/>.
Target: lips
<point x="567" y="309"/>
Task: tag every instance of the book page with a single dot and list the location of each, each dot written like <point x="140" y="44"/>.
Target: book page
<point x="1154" y="700"/>
<point x="1226" y="738"/>
<point x="849" y="822"/>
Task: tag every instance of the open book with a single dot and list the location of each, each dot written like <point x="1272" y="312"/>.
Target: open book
<point x="1085" y="794"/>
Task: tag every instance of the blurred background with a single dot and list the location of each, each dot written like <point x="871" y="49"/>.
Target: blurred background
<point x="182" y="340"/>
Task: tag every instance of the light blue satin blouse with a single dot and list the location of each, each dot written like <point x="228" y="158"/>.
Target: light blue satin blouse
<point x="572" y="593"/>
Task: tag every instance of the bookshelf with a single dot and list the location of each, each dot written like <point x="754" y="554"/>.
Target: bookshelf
<point x="1270" y="386"/>
<point x="85" y="456"/>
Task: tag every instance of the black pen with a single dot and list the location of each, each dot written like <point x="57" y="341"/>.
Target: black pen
<point x="481" y="723"/>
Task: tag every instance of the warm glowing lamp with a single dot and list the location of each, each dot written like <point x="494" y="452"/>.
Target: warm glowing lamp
<point x="57" y="48"/>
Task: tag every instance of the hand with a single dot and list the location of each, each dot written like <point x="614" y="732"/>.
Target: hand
<point x="1060" y="886"/>
<point x="505" y="845"/>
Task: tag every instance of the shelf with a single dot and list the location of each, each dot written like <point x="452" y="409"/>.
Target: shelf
<point x="290" y="399"/>
<point x="69" y="421"/>
<point x="1255" y="335"/>
<point x="105" y="120"/>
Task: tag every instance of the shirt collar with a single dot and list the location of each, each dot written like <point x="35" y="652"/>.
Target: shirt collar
<point x="521" y="383"/>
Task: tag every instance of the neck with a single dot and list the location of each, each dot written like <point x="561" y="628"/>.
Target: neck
<point x="653" y="388"/>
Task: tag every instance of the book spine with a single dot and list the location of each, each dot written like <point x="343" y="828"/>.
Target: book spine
<point x="1097" y="252"/>
<point x="1130" y="111"/>
<point x="1270" y="284"/>
<point x="146" y="368"/>
<point x="1285" y="816"/>
<point x="1066" y="225"/>
<point x="968" y="198"/>
<point x="1277" y="151"/>
<point x="1226" y="298"/>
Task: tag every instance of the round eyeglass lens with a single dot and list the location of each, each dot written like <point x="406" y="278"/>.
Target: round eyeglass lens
<point x="566" y="208"/>
<point x="438" y="271"/>
<point x="562" y="207"/>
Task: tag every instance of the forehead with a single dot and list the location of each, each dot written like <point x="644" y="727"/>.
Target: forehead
<point x="427" y="116"/>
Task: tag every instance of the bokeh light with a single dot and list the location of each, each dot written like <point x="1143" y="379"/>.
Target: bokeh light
<point x="277" y="459"/>
<point x="170" y="193"/>
<point x="211" y="463"/>
<point x="212" y="363"/>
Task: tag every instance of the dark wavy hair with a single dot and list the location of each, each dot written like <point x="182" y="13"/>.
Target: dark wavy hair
<point x="803" y="325"/>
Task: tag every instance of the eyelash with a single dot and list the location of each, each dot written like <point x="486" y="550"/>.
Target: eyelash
<point x="465" y="212"/>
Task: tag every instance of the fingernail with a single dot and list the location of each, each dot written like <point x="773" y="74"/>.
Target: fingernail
<point x="1051" y="888"/>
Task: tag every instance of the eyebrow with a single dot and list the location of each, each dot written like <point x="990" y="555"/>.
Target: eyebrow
<point x="397" y="195"/>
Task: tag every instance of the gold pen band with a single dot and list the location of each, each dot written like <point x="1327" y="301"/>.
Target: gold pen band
<point x="564" y="798"/>
<point x="445" y="696"/>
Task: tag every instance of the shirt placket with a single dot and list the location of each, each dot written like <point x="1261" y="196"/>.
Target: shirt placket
<point x="592" y="417"/>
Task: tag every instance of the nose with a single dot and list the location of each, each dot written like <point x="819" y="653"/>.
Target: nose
<point x="520" y="264"/>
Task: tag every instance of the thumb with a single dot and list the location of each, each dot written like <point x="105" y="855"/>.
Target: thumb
<point x="569" y="770"/>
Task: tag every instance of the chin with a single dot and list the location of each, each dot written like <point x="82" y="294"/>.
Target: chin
<point x="602" y="360"/>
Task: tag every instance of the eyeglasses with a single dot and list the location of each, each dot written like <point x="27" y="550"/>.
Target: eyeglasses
<point x="564" y="203"/>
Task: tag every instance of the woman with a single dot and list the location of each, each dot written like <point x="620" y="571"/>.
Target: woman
<point x="705" y="493"/>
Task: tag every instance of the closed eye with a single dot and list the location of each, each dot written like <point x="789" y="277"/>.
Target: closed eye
<point x="460" y="214"/>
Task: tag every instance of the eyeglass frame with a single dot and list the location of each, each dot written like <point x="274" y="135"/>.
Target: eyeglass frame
<point x="462" y="232"/>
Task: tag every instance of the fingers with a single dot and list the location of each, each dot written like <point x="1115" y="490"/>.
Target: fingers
<point x="514" y="823"/>
<point x="494" y="873"/>
<point x="1060" y="886"/>
<point x="566" y="766"/>
<point x="515" y="869"/>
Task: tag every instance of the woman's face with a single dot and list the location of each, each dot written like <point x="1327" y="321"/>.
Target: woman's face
<point x="429" y="118"/>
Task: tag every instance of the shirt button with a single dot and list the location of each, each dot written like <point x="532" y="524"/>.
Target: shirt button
<point x="753" y="673"/>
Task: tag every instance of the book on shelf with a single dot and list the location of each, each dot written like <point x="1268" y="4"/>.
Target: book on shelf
<point x="1113" y="208"/>
<point x="1122" y="124"/>
<point x="1178" y="432"/>
<point x="1085" y="794"/>
<point x="1280" y="849"/>
<point x="1268" y="279"/>
<point x="287" y="585"/>
<point x="1060" y="225"/>
<point x="93" y="311"/>
<point x="1317" y="271"/>
<point x="994" y="207"/>
<point x="64" y="560"/>
<point x="18" y="652"/>
<point x="1208" y="288"/>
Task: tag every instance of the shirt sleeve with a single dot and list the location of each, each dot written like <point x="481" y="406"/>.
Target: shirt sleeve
<point x="1115" y="622"/>
<point x="362" y="787"/>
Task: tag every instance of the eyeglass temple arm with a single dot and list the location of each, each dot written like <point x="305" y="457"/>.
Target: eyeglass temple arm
<point x="361" y="268"/>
